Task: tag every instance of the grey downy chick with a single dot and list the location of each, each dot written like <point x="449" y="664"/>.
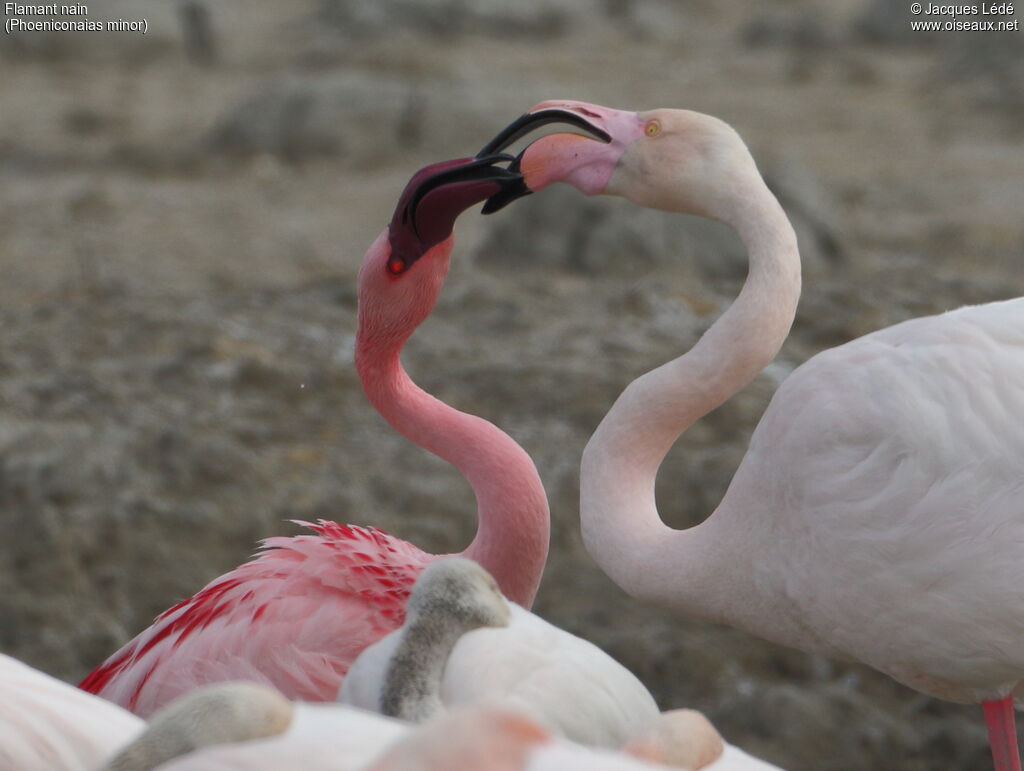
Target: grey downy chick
<point x="451" y="597"/>
<point x="215" y="714"/>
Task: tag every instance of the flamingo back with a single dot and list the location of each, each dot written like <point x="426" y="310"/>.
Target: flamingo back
<point x="567" y="684"/>
<point x="294" y="617"/>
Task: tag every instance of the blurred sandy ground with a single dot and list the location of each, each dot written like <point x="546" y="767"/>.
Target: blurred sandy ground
<point x="180" y="227"/>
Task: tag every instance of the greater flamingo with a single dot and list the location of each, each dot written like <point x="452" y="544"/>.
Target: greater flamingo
<point x="877" y="514"/>
<point x="48" y="725"/>
<point x="447" y="658"/>
<point x="297" y="614"/>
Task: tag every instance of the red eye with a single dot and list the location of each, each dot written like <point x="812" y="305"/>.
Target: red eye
<point x="396" y="266"/>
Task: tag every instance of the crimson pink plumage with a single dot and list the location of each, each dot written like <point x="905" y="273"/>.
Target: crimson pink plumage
<point x="319" y="600"/>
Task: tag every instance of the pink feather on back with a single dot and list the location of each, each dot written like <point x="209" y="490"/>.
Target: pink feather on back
<point x="294" y="617"/>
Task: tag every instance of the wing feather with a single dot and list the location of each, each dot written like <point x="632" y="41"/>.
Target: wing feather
<point x="294" y="617"/>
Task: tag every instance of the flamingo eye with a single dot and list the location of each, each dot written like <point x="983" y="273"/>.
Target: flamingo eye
<point x="653" y="128"/>
<point x="396" y="266"/>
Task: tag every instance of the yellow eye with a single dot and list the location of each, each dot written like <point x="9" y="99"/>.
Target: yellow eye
<point x="653" y="128"/>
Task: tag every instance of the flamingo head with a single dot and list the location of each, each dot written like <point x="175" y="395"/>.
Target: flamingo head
<point x="458" y="592"/>
<point x="675" y="160"/>
<point x="402" y="273"/>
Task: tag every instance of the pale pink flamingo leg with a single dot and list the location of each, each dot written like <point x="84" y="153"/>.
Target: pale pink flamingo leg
<point x="1002" y="733"/>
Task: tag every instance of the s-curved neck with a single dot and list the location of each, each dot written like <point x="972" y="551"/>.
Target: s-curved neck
<point x="513" y="531"/>
<point x="690" y="569"/>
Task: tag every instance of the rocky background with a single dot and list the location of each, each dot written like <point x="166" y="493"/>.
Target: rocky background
<point x="181" y="219"/>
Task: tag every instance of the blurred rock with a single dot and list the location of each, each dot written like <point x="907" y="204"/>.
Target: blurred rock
<point x="887" y="22"/>
<point x="988" y="67"/>
<point x="528" y="20"/>
<point x="812" y="208"/>
<point x="198" y="33"/>
<point x="559" y="228"/>
<point x="450" y="18"/>
<point x="363" y="119"/>
<point x="790" y="28"/>
<point x="36" y="46"/>
<point x="298" y="118"/>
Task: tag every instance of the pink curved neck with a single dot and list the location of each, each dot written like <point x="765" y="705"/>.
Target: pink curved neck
<point x="512" y="536"/>
<point x="698" y="569"/>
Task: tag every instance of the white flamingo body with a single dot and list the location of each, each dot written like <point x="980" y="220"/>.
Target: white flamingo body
<point x="335" y="737"/>
<point x="493" y="739"/>
<point x="735" y="759"/>
<point x="48" y="725"/>
<point x="403" y="674"/>
<point x="568" y="685"/>
<point x="321" y="737"/>
<point x="464" y="647"/>
<point x="563" y="756"/>
<point x="884" y="526"/>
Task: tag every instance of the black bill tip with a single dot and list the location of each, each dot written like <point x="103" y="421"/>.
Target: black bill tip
<point x="524" y="124"/>
<point x="512" y="191"/>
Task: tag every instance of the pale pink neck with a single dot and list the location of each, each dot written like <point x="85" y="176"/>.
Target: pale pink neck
<point x="512" y="536"/>
<point x="688" y="569"/>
